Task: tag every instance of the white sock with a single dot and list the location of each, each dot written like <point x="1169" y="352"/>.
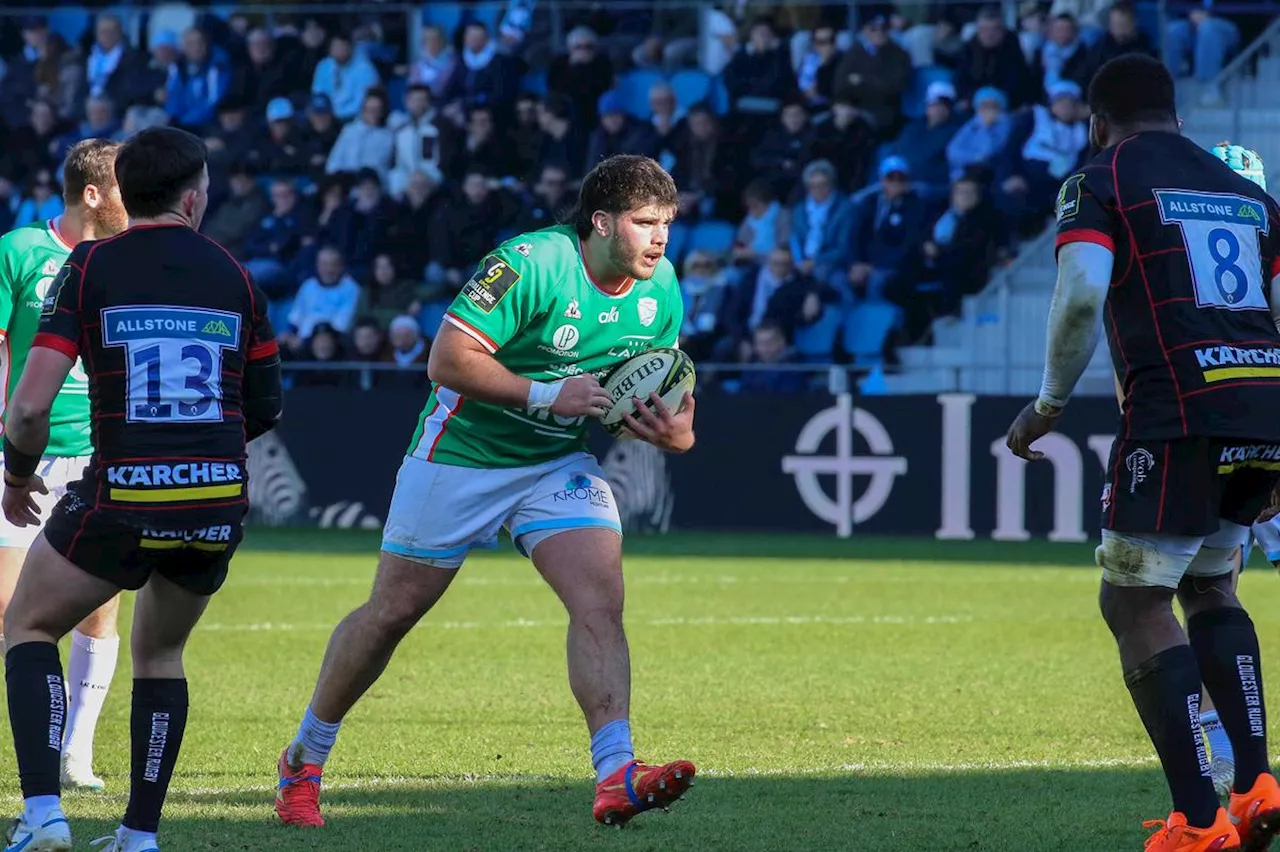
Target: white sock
<point x="140" y="839"/>
<point x="89" y="671"/>
<point x="35" y="810"/>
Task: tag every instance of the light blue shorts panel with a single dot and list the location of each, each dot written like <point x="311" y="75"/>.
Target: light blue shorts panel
<point x="57" y="472"/>
<point x="439" y="512"/>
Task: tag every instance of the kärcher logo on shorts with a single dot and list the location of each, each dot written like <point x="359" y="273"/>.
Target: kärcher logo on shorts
<point x="185" y="473"/>
<point x="1250" y="452"/>
<point x="221" y="533"/>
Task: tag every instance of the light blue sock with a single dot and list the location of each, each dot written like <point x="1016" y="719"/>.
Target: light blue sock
<point x="1219" y="742"/>
<point x="611" y="748"/>
<point x="316" y="737"/>
<point x="35" y="810"/>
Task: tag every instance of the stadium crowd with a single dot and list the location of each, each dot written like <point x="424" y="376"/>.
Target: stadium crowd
<point x="846" y="174"/>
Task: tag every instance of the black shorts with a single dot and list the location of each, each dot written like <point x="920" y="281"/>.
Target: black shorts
<point x="126" y="556"/>
<point x="1186" y="486"/>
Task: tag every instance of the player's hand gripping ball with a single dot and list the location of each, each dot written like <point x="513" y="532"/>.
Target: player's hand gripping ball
<point x="1243" y="162"/>
<point x="652" y="397"/>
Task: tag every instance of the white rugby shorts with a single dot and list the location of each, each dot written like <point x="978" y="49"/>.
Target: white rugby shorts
<point x="57" y="472"/>
<point x="440" y="512"/>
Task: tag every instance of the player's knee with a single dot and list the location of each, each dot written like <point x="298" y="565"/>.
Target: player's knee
<point x="1133" y="610"/>
<point x="1152" y="561"/>
<point x="393" y="618"/>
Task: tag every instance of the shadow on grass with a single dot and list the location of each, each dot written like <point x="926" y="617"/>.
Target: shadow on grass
<point x="735" y="546"/>
<point x="1025" y="810"/>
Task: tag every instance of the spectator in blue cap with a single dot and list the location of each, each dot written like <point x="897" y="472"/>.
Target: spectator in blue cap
<point x="619" y="133"/>
<point x="284" y="149"/>
<point x="1045" y="145"/>
<point x="322" y="128"/>
<point x="889" y="226"/>
<point x="981" y="139"/>
<point x="923" y="143"/>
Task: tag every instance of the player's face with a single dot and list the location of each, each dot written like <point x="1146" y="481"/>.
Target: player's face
<point x="640" y="240"/>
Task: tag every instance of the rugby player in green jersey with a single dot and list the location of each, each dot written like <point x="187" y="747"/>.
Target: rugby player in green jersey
<point x="30" y="258"/>
<point x="501" y="445"/>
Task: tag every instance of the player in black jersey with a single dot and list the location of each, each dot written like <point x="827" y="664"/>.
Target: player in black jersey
<point x="1177" y="256"/>
<point x="183" y="371"/>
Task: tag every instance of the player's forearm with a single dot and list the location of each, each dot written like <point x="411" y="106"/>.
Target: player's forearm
<point x="263" y="399"/>
<point x="1075" y="318"/>
<point x="476" y="374"/>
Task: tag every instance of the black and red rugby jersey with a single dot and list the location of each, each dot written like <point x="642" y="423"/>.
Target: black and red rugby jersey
<point x="1187" y="316"/>
<point x="165" y="321"/>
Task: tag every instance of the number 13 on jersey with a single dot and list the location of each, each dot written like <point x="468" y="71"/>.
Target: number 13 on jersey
<point x="173" y="360"/>
<point x="1220" y="232"/>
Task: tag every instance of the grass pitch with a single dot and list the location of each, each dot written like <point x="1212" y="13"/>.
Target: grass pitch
<point x="861" y="695"/>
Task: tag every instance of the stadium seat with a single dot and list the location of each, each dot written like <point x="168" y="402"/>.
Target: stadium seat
<point x="713" y="236"/>
<point x="70" y="22"/>
<point x="430" y="318"/>
<point x="719" y="96"/>
<point x="816" y="343"/>
<point x="175" y="17"/>
<point x="535" y="82"/>
<point x="396" y="88"/>
<point x="691" y="86"/>
<point x="446" y="16"/>
<point x="677" y="242"/>
<point x="634" y="87"/>
<point x="913" y="98"/>
<point x="866" y="328"/>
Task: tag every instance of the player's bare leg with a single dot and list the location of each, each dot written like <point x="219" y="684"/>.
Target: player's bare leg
<point x="51" y="597"/>
<point x="584" y="568"/>
<point x="358" y="652"/>
<point x="95" y="648"/>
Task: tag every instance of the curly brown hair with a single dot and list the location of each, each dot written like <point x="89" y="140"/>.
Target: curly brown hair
<point x="621" y="183"/>
<point x="89" y="162"/>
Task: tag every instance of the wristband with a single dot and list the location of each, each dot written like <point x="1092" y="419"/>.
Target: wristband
<point x="541" y="395"/>
<point x="1045" y="409"/>
<point x="17" y="462"/>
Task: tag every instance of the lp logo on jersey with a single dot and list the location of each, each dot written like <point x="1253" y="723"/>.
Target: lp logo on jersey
<point x="565" y="338"/>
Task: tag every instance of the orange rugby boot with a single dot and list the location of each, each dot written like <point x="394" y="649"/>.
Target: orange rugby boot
<point x="637" y="787"/>
<point x="1175" y="835"/>
<point x="298" y="793"/>
<point x="1257" y="814"/>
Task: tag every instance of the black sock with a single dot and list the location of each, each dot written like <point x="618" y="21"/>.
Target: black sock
<point x="1166" y="691"/>
<point x="157" y="723"/>
<point x="37" y="715"/>
<point x="1226" y="646"/>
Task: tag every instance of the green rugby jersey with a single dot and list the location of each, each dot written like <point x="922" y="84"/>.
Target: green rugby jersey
<point x="533" y="304"/>
<point x="30" y="258"/>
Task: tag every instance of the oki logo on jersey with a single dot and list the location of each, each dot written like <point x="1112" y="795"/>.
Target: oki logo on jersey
<point x="1220" y="231"/>
<point x="608" y="316"/>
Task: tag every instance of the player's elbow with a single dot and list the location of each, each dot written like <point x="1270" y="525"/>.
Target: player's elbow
<point x="23" y="413"/>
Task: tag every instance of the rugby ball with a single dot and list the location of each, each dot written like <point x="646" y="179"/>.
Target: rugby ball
<point x="666" y="372"/>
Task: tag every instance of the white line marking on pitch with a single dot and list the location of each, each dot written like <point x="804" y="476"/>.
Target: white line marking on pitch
<point x="522" y="623"/>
